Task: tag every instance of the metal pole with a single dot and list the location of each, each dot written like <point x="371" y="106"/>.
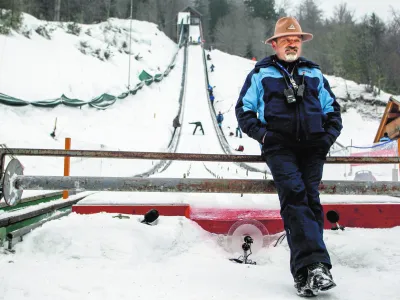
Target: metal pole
<point x="193" y="185"/>
<point x="67" y="164"/>
<point x="130" y="47"/>
<point x="15" y="218"/>
<point x="183" y="156"/>
<point x="24" y="230"/>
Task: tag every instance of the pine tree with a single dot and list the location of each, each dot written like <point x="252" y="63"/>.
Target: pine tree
<point x="217" y="10"/>
<point x="263" y="9"/>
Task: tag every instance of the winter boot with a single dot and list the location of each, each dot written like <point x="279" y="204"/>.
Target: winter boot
<point x="301" y="284"/>
<point x="319" y="278"/>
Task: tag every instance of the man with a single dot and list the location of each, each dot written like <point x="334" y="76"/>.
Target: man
<point x="238" y="131"/>
<point x="220" y="118"/>
<point x="385" y="138"/>
<point x="176" y="123"/>
<point x="287" y="105"/>
<point x="212" y="98"/>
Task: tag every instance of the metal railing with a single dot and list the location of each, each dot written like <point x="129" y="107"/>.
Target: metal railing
<point x="14" y="182"/>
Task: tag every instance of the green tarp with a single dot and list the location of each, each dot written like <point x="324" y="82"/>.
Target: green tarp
<point x="145" y="76"/>
<point x="4" y="99"/>
<point x="158" y="77"/>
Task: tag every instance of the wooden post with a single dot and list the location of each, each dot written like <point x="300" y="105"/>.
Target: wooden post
<point x="66" y="164"/>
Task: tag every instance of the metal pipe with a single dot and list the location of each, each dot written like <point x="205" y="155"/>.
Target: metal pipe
<point x="11" y="236"/>
<point x="24" y="230"/>
<point x="194" y="185"/>
<point x="35" y="198"/>
<point x="130" y="47"/>
<point x="182" y="156"/>
<point x="23" y="216"/>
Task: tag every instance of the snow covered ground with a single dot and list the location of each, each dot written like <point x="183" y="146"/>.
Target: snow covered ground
<point x="100" y="257"/>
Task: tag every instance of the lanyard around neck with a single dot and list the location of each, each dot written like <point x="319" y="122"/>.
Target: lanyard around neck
<point x="294" y="85"/>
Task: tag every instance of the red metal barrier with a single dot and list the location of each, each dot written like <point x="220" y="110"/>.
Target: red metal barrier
<point x="220" y="220"/>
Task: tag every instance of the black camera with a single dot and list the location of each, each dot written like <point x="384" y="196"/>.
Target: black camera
<point x="289" y="93"/>
<point x="300" y="91"/>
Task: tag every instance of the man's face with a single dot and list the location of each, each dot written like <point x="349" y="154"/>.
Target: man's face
<point x="288" y="48"/>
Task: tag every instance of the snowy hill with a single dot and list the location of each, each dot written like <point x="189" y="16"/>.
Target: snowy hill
<point x="36" y="67"/>
<point x="47" y="59"/>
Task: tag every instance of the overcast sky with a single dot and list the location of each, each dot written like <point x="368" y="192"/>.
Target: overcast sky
<point x="359" y="7"/>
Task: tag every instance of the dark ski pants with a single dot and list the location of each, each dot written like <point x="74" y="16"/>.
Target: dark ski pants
<point x="297" y="172"/>
<point x="201" y="129"/>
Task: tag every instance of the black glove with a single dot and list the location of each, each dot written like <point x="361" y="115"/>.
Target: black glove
<point x="327" y="141"/>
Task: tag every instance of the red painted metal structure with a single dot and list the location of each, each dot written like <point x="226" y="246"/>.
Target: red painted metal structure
<point x="136" y="209"/>
<point x="220" y="220"/>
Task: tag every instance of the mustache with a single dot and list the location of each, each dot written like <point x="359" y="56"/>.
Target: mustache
<point x="292" y="48"/>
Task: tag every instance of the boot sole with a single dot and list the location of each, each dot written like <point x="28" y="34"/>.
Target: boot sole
<point x="329" y="286"/>
<point x="325" y="288"/>
<point x="308" y="293"/>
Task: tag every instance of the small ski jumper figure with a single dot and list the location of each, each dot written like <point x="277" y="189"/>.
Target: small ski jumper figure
<point x="198" y="124"/>
<point x="385" y="138"/>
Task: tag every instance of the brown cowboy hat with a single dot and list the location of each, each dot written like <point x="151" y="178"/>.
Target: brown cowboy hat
<point x="289" y="26"/>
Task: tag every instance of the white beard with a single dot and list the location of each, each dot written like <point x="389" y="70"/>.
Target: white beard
<point x="291" y="57"/>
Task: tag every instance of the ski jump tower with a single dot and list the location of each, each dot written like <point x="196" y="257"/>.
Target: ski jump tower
<point x="186" y="17"/>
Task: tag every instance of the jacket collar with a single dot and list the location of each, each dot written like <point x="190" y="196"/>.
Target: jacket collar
<point x="270" y="61"/>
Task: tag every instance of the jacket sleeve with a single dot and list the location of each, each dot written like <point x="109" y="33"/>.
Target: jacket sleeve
<point x="331" y="109"/>
<point x="246" y="109"/>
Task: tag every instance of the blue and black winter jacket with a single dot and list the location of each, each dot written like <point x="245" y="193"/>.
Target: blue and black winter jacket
<point x="262" y="104"/>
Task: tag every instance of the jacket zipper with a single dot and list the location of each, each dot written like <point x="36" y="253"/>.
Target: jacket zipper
<point x="298" y="122"/>
<point x="303" y="120"/>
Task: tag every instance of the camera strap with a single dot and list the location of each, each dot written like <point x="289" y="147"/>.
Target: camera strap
<point x="293" y="84"/>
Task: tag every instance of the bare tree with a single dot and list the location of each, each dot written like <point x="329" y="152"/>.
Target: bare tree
<point x="123" y="8"/>
<point x="310" y="15"/>
<point x="284" y="8"/>
<point x="342" y="15"/>
<point x="232" y="32"/>
<point x="57" y="9"/>
<point x="168" y="13"/>
<point x="147" y="11"/>
<point x="257" y="39"/>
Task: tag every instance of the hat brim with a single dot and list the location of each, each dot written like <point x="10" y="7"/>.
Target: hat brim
<point x="306" y="36"/>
